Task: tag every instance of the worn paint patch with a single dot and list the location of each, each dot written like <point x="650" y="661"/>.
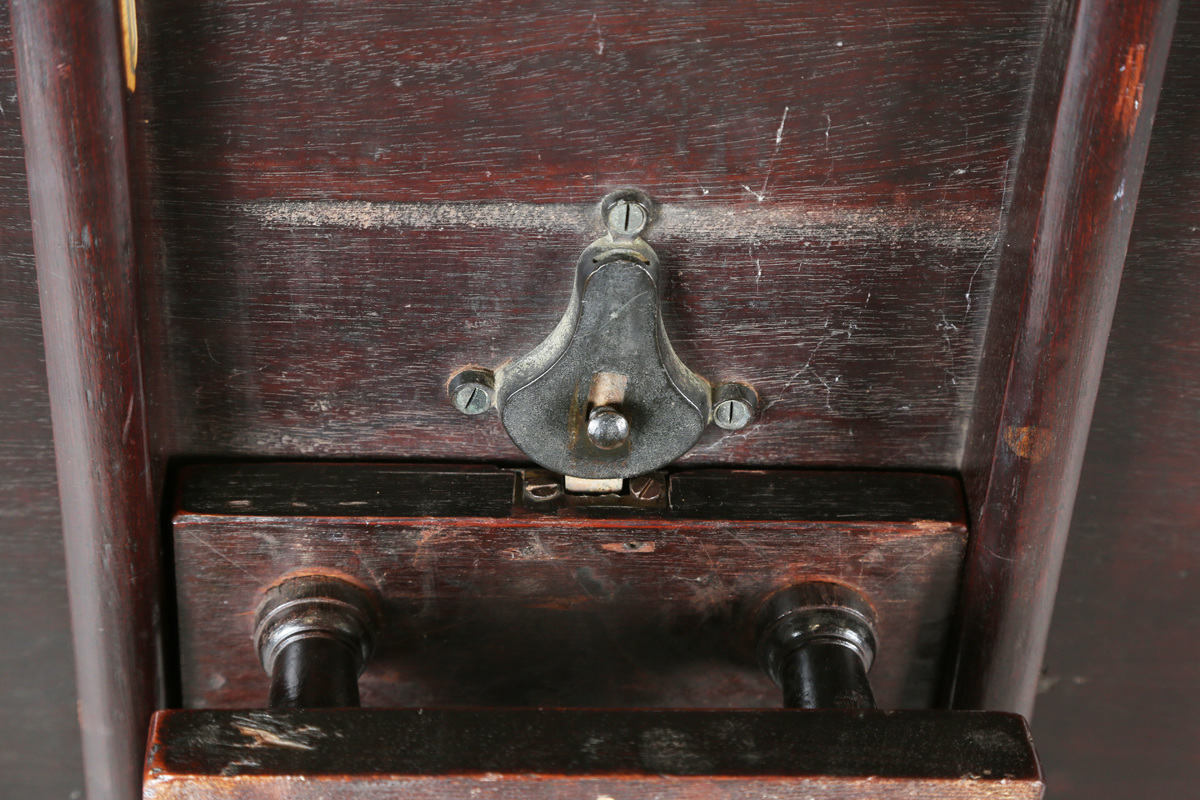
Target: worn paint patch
<point x="671" y="752"/>
<point x="629" y="547"/>
<point x="1029" y="442"/>
<point x="564" y="604"/>
<point x="956" y="227"/>
<point x="270" y="733"/>
<point x="1129" y="91"/>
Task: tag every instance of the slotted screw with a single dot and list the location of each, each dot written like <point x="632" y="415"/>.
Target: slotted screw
<point x="626" y="217"/>
<point x="734" y="405"/>
<point x="645" y="487"/>
<point x="471" y="391"/>
<point x="543" y="490"/>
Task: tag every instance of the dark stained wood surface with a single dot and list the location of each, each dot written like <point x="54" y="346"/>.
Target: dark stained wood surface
<point x="236" y="288"/>
<point x="39" y="731"/>
<point x="833" y="496"/>
<point x="288" y="317"/>
<point x="73" y="124"/>
<point x="1078" y="182"/>
<point x="439" y="753"/>
<point x="1119" y="713"/>
<point x="571" y="608"/>
<point x="335" y="490"/>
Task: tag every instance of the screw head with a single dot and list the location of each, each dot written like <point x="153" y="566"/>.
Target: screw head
<point x="626" y="217"/>
<point x="607" y="428"/>
<point x="734" y="405"/>
<point x="472" y="391"/>
<point x="543" y="490"/>
<point x="645" y="487"/>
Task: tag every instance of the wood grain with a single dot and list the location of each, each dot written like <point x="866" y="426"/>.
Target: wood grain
<point x="289" y="317"/>
<point x="73" y="127"/>
<point x="438" y="753"/>
<point x="578" y="607"/>
<point x="1077" y="183"/>
<point x="39" y="732"/>
<point x="230" y="105"/>
<point x="1118" y="701"/>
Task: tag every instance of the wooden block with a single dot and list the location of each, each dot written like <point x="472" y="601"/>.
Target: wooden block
<point x="539" y="753"/>
<point x="488" y="603"/>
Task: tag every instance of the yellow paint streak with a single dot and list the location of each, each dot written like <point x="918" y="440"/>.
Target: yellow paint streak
<point x="129" y="39"/>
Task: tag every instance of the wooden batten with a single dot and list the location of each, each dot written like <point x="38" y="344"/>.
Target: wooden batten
<point x="1056" y="290"/>
<point x="432" y="754"/>
<point x="72" y="109"/>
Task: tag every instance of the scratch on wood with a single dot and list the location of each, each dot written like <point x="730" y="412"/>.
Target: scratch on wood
<point x="200" y="539"/>
<point x="536" y="551"/>
<point x="128" y="421"/>
<point x="423" y="551"/>
<point x="930" y="551"/>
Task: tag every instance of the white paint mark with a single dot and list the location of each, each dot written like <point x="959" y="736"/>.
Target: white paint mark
<point x="946" y="325"/>
<point x="782" y="122"/>
<point x="828" y="150"/>
<point x="595" y="23"/>
<point x="1120" y="192"/>
<point x="762" y="194"/>
<point x="991" y="247"/>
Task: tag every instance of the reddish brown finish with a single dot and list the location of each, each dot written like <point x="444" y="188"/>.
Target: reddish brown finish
<point x="73" y="123"/>
<point x="1045" y="344"/>
<point x="641" y="754"/>
<point x="39" y="730"/>
<point x="567" y="609"/>
<point x="1119" y="716"/>
<point x="212" y="405"/>
<point x="852" y="296"/>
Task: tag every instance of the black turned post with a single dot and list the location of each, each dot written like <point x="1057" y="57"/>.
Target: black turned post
<point x="314" y="634"/>
<point x="817" y="642"/>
